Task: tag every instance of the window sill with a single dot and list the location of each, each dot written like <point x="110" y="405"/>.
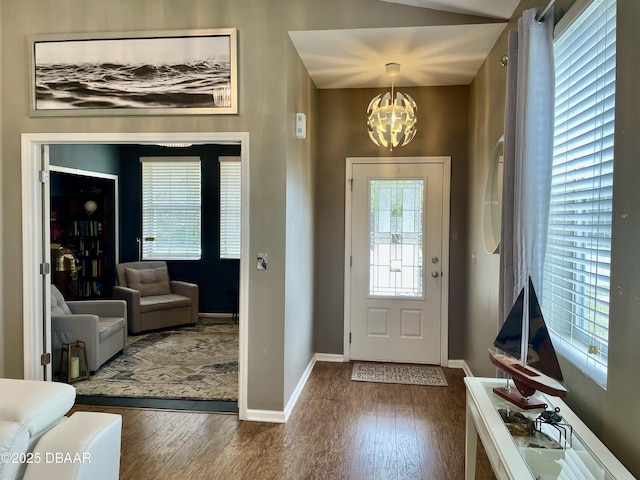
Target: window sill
<point x="575" y="355"/>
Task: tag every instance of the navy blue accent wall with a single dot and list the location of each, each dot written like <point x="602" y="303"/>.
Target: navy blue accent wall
<point x="94" y="158"/>
<point x="213" y="275"/>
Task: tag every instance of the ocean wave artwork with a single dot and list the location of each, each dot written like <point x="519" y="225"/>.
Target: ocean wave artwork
<point x="107" y="85"/>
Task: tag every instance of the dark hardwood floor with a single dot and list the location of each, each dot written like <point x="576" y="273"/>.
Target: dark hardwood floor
<point x="339" y="430"/>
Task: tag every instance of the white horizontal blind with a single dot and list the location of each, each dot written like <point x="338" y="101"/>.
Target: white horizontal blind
<point x="230" y="207"/>
<point x="577" y="264"/>
<point x="171" y="208"/>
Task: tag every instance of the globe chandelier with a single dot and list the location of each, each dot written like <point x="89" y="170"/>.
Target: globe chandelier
<point x="392" y="115"/>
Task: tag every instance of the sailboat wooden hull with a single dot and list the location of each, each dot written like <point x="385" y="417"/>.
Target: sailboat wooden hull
<point x="528" y="379"/>
<point x="539" y="370"/>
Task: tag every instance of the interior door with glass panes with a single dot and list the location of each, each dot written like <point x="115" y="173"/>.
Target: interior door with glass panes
<point x="396" y="245"/>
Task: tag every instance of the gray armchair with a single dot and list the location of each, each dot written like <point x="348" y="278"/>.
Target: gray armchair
<point x="153" y="300"/>
<point x="100" y="324"/>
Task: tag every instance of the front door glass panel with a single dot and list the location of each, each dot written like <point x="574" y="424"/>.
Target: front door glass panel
<point x="396" y="220"/>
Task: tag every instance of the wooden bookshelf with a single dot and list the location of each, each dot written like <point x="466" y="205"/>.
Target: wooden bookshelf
<point x="80" y="223"/>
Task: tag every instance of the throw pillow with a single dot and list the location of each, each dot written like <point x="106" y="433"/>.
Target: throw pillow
<point x="150" y="281"/>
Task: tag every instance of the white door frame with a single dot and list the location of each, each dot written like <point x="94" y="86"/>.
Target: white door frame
<point x="35" y="300"/>
<point x="446" y="207"/>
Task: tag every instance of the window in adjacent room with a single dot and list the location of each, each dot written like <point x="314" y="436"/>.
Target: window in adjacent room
<point x="230" y="207"/>
<point x="171" y="208"/>
<point x="577" y="265"/>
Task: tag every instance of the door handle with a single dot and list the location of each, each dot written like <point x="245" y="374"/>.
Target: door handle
<point x="435" y="274"/>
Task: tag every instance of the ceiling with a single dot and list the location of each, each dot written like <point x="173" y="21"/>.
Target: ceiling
<point x="429" y="56"/>
<point x="485" y="8"/>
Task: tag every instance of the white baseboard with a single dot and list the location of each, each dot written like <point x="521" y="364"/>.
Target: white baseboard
<point x="298" y="390"/>
<point x="275" y="416"/>
<point x="269" y="416"/>
<point x="455" y="363"/>
<point x="330" y="357"/>
<point x="460" y="364"/>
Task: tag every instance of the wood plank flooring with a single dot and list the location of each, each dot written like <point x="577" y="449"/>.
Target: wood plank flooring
<point x="339" y="430"/>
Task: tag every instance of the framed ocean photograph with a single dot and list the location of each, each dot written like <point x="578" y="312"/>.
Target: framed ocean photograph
<point x="134" y="73"/>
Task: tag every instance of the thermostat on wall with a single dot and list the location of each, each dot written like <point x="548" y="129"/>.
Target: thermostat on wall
<point x="262" y="261"/>
<point x="301" y="125"/>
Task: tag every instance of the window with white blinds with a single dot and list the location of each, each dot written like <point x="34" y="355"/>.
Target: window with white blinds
<point x="171" y="208"/>
<point x="577" y="265"/>
<point x="230" y="207"/>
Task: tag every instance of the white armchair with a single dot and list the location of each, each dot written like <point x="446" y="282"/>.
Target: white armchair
<point x="100" y="324"/>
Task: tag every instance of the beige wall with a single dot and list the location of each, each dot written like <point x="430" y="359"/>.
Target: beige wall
<point x="256" y="61"/>
<point x="264" y="55"/>
<point x="486" y="113"/>
<point x="301" y="157"/>
<point x="442" y="130"/>
<point x="611" y="413"/>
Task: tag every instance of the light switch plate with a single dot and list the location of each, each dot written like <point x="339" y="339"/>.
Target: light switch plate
<point x="301" y="125"/>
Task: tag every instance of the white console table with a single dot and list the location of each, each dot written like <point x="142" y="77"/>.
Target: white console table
<point x="514" y="458"/>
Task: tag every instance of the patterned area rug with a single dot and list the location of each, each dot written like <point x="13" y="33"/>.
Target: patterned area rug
<point x="393" y="373"/>
<point x="187" y="363"/>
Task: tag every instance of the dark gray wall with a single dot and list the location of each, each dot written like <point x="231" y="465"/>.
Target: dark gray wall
<point x="442" y="130"/>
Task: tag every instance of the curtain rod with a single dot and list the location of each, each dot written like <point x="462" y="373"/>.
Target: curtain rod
<point x="540" y="16"/>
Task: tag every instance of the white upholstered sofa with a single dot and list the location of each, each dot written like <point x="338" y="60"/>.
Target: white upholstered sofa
<point x="38" y="442"/>
<point x="153" y="300"/>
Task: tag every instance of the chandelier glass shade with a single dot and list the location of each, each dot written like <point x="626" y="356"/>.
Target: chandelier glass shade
<point x="392" y="116"/>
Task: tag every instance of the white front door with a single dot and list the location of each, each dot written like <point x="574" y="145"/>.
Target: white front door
<point x="396" y="264"/>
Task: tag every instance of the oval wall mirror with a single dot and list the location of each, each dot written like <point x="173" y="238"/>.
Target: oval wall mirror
<point x="492" y="209"/>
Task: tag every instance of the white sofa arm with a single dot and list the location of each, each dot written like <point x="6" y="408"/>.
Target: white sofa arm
<point x="84" y="447"/>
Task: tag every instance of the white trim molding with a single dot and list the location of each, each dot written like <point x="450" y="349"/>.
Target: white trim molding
<point x="34" y="298"/>
<point x="461" y="364"/>
<point x="293" y="399"/>
<point x="330" y="357"/>
<point x="267" y="416"/>
<point x="275" y="416"/>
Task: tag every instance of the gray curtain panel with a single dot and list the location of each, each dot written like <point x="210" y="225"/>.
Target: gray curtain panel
<point x="528" y="150"/>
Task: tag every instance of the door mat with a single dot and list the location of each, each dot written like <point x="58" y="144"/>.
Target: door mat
<point x="392" y="373"/>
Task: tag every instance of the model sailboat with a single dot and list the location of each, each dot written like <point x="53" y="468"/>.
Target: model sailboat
<point x="534" y="368"/>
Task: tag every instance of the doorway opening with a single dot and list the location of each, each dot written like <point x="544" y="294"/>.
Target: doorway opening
<point x="36" y="238"/>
